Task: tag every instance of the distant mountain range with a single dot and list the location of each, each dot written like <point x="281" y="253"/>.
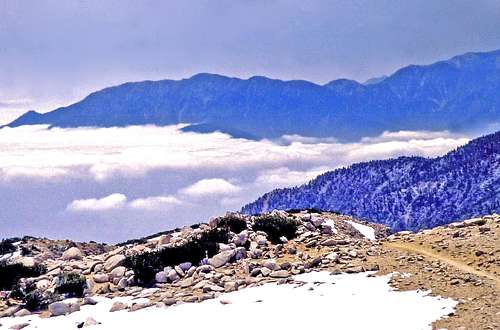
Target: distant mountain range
<point x="404" y="193"/>
<point x="460" y="94"/>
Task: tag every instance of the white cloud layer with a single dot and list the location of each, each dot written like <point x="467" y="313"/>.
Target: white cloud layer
<point x="111" y="184"/>
<point x="101" y="153"/>
<point x="113" y="201"/>
<point x="207" y="187"/>
<point x="118" y="201"/>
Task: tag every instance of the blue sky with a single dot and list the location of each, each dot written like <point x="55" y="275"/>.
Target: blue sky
<point x="53" y="53"/>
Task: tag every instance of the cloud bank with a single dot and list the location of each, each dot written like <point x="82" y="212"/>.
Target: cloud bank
<point x="110" y="184"/>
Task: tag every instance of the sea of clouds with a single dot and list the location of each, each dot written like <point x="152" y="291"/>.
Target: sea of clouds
<point x="110" y="184"/>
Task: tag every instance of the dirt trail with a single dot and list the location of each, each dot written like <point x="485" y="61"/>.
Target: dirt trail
<point x="408" y="247"/>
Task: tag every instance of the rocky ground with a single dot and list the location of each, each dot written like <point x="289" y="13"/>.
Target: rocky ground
<point x="460" y="261"/>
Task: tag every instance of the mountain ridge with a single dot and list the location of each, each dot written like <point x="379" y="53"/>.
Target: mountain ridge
<point x="406" y="192"/>
<point x="458" y="94"/>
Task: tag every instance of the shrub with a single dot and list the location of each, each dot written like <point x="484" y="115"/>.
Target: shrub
<point x="232" y="223"/>
<point x="10" y="274"/>
<point x="32" y="298"/>
<point x="276" y="226"/>
<point x="146" y="265"/>
<point x="6" y="245"/>
<point x="71" y="284"/>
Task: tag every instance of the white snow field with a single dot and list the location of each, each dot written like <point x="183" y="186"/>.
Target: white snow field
<point x="365" y="230"/>
<point x="346" y="301"/>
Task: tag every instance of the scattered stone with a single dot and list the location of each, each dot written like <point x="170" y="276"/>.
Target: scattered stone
<point x="222" y="258"/>
<point x="63" y="308"/>
<point x="118" y="306"/>
<point x="22" y="312"/>
<point x="280" y="274"/>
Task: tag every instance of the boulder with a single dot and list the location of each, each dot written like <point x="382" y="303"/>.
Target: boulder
<point x="118" y="306"/>
<point x="241" y="253"/>
<point x="185" y="266"/>
<point x="161" y="277"/>
<point x="73" y="253"/>
<point x="317" y="221"/>
<point x="261" y="240"/>
<point x="27" y="261"/>
<point x="230" y="286"/>
<point x="475" y="222"/>
<point x="279" y="274"/>
<point x="241" y="239"/>
<point x="63" y="308"/>
<point x="123" y="283"/>
<point x="271" y="264"/>
<point x="118" y="272"/>
<point x="265" y="271"/>
<point x="22" y="312"/>
<point x="222" y="258"/>
<point x="173" y="276"/>
<point x="113" y="262"/>
<point x="163" y="240"/>
<point x="101" y="278"/>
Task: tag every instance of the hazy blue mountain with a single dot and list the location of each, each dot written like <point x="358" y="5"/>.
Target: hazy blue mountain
<point x="404" y="193"/>
<point x="459" y="94"/>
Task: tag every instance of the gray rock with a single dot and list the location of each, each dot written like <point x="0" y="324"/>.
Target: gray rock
<point x="101" y="278"/>
<point x="169" y="301"/>
<point x="333" y="256"/>
<point x="241" y="253"/>
<point x="63" y="308"/>
<point x="222" y="258"/>
<point x="316" y="221"/>
<point x="241" y="239"/>
<point x="10" y="311"/>
<point x="19" y="326"/>
<point x="73" y="253"/>
<point x="261" y="240"/>
<point x="255" y="253"/>
<point x="283" y="239"/>
<point x="22" y="312"/>
<point x="332" y="242"/>
<point x="118" y="272"/>
<point x="230" y="286"/>
<point x="185" y="266"/>
<point x="173" y="276"/>
<point x="179" y="271"/>
<point x="89" y="301"/>
<point x="123" y="283"/>
<point x="205" y="269"/>
<point x="265" y="271"/>
<point x="27" y="261"/>
<point x="271" y="264"/>
<point x="355" y="269"/>
<point x="89" y="321"/>
<point x="138" y="306"/>
<point x="161" y="277"/>
<point x="279" y="274"/>
<point x="113" y="262"/>
<point x="255" y="272"/>
<point x="191" y="271"/>
<point x="118" y="306"/>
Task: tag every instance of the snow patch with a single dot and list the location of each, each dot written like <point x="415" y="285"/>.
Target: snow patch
<point x="335" y="301"/>
<point x="365" y="230"/>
